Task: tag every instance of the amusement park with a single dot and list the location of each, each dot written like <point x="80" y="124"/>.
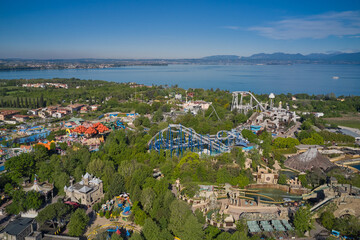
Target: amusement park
<point x="129" y="171"/>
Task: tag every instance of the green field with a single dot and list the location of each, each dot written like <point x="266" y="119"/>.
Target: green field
<point x="347" y="121"/>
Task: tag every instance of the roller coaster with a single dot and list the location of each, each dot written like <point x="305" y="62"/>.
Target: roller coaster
<point x="242" y="107"/>
<point x="178" y="138"/>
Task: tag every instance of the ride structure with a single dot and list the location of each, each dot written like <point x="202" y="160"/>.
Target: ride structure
<point x="245" y="107"/>
<point x="178" y="138"/>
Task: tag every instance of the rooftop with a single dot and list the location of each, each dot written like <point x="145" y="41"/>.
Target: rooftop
<point x="17" y="226"/>
<point x="309" y="160"/>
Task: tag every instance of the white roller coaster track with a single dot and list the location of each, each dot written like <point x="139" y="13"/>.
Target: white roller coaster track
<point x="235" y="105"/>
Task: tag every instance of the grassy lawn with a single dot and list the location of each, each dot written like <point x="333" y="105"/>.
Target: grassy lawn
<point x="352" y="120"/>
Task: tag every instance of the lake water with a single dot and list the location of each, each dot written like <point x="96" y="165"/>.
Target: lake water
<point x="311" y="78"/>
<point x="356" y="166"/>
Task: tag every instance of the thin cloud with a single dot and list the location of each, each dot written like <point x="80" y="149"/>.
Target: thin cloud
<point x="317" y="26"/>
<point x="231" y="27"/>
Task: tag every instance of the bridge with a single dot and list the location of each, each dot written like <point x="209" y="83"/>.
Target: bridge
<point x="344" y="196"/>
<point x="178" y="138"/>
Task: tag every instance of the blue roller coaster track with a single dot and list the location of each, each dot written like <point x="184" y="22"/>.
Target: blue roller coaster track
<point x="177" y="138"/>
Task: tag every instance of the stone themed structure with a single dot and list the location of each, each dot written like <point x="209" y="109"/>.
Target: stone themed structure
<point x="88" y="191"/>
<point x="266" y="175"/>
<point x="294" y="183"/>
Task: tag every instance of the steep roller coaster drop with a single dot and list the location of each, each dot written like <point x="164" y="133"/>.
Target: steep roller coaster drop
<point x="179" y="138"/>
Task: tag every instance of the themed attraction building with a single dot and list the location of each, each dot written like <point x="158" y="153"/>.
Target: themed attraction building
<point x="88" y="191"/>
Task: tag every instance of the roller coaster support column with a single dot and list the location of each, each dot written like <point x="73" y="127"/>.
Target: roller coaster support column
<point x="210" y="144"/>
<point x="181" y="140"/>
<point x="171" y="142"/>
<point x="160" y="134"/>
<point x="178" y="143"/>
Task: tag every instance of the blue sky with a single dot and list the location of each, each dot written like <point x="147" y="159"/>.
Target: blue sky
<point x="175" y="29"/>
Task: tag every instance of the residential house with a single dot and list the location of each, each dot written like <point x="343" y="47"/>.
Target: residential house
<point x="178" y="97"/>
<point x="75" y="107"/>
<point x="57" y="115"/>
<point x="94" y="107"/>
<point x="51" y="109"/>
<point x="84" y="109"/>
<point x="26" y="149"/>
<point x="21" y="118"/>
<point x="7" y="114"/>
<point x="64" y="111"/>
<point x="318" y="114"/>
<point x="34" y="111"/>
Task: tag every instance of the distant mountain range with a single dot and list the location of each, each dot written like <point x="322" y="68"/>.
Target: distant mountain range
<point x="260" y="58"/>
<point x="282" y="58"/>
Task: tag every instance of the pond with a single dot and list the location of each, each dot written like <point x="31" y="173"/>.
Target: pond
<point x="276" y="194"/>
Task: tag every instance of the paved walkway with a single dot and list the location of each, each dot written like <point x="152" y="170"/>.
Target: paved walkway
<point x="101" y="223"/>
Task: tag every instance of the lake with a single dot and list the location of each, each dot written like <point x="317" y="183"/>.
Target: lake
<point x="300" y="78"/>
<point x="356" y="166"/>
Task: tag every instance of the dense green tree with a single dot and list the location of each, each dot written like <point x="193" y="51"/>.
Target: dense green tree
<point x="40" y="153"/>
<point x="150" y="230"/>
<point x="224" y="236"/>
<point x="303" y="221"/>
<point x="136" y="236"/>
<point x="212" y="232"/>
<point x="117" y="185"/>
<point x="33" y="200"/>
<point x="285" y="142"/>
<point x="282" y="179"/>
<point x="139" y="215"/>
<point x="200" y="216"/>
<point x="192" y="229"/>
<point x="20" y="166"/>
<point x="147" y="199"/>
<point x="179" y="211"/>
<point x="327" y="219"/>
<point x="114" y="236"/>
<point x="54" y="213"/>
<point x="249" y="135"/>
<point x="78" y="222"/>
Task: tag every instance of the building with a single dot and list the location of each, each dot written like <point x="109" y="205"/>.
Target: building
<point x="20" y="118"/>
<point x="309" y="160"/>
<point x="94" y="107"/>
<point x="178" y="97"/>
<point x="195" y="106"/>
<point x="34" y="111"/>
<point x="266" y="175"/>
<point x="64" y="111"/>
<point x="84" y="109"/>
<point x="18" y="229"/>
<point x="26" y="149"/>
<point x="7" y="114"/>
<point x="319" y="114"/>
<point x="57" y="115"/>
<point x="88" y="191"/>
<point x="75" y="107"/>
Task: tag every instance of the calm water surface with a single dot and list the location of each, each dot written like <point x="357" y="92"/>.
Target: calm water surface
<point x="311" y="79"/>
<point x="356" y="166"/>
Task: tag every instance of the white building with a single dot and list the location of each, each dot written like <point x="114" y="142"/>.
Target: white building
<point x="195" y="106"/>
<point x="318" y="114"/>
<point x="178" y="97"/>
